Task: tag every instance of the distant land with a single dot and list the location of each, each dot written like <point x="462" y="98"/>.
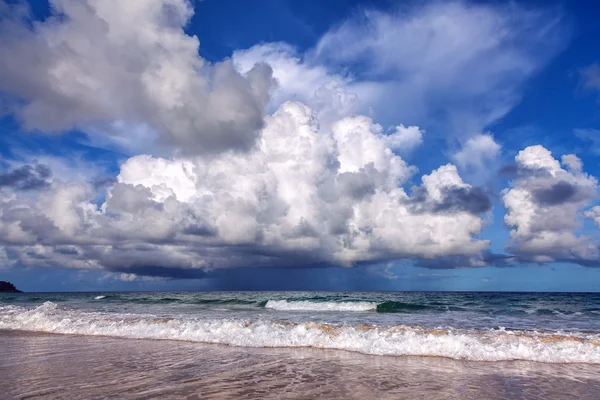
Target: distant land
<point x="7" y="287"/>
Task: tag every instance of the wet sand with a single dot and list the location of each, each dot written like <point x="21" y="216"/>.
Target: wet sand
<point x="45" y="366"/>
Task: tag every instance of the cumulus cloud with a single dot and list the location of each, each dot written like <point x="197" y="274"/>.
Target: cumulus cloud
<point x="328" y="93"/>
<point x="300" y="197"/>
<point x="96" y="63"/>
<point x="544" y="205"/>
<point x="572" y="162"/>
<point x="405" y="139"/>
<point x="317" y="182"/>
<point x="479" y="153"/>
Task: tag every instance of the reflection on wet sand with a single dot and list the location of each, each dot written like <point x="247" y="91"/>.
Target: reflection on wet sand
<point x="78" y="367"/>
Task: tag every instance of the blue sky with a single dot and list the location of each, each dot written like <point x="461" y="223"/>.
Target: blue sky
<point x="264" y="145"/>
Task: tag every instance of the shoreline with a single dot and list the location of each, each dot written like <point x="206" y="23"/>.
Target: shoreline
<point x="53" y="366"/>
<point x="19" y="332"/>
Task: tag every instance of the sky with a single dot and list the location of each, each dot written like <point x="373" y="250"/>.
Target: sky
<point x="286" y="145"/>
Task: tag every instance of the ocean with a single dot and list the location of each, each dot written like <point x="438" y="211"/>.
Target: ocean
<point x="555" y="333"/>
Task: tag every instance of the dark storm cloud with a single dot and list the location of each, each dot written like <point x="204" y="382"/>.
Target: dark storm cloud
<point x="558" y="193"/>
<point x="472" y="199"/>
<point x="512" y="170"/>
<point x="199" y="230"/>
<point x="67" y="250"/>
<point x="27" y="177"/>
<point x="454" y="199"/>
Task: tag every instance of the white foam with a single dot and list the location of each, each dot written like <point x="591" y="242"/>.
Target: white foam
<point x="496" y="345"/>
<point x="99" y="297"/>
<point x="321" y="305"/>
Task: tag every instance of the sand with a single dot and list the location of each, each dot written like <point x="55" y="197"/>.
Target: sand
<point x="45" y="366"/>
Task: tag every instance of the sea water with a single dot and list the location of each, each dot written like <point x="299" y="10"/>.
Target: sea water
<point x="494" y="327"/>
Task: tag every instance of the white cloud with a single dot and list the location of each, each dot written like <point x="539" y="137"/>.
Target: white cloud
<point x="405" y="139"/>
<point x="93" y="63"/>
<point x="318" y="181"/>
<point x="572" y="162"/>
<point x="544" y="205"/>
<point x="328" y="94"/>
<point x="478" y="153"/>
<point x="299" y="197"/>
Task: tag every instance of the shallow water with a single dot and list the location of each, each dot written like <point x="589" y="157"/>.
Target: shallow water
<point x="45" y="366"/>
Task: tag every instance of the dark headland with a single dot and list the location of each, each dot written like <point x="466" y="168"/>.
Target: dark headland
<point x="7" y="287"/>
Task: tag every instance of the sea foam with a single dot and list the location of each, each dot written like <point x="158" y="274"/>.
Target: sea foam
<point x="300" y="305"/>
<point x="490" y="345"/>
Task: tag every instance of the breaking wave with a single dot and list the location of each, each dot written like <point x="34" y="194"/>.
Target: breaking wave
<point x="482" y="345"/>
<point x="321" y="306"/>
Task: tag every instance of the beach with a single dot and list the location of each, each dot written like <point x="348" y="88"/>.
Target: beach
<point x="50" y="366"/>
<point x="276" y="345"/>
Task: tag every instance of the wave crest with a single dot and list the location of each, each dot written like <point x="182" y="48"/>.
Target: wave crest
<point x="492" y="345"/>
<point x="305" y="305"/>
